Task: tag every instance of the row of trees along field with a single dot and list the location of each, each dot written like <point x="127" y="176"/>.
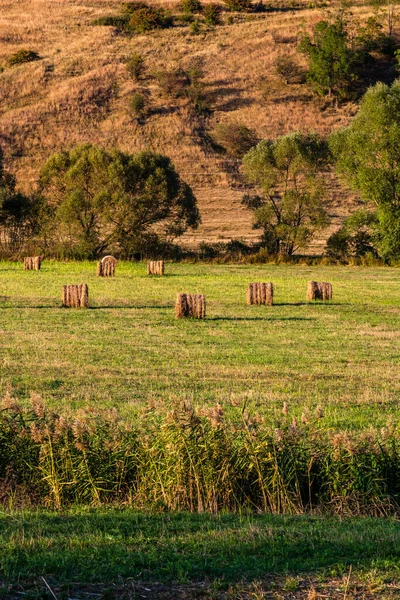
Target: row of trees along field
<point x="88" y="200"/>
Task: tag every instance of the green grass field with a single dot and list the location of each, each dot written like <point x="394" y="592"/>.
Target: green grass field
<point x="128" y="349"/>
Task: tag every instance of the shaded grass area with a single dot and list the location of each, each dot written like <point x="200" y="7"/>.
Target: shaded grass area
<point x="109" y="546"/>
<point x="128" y="349"/>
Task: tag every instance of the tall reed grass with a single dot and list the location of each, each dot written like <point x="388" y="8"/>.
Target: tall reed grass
<point x="195" y="460"/>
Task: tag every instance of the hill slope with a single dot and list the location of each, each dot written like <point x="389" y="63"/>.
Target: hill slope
<point x="79" y="91"/>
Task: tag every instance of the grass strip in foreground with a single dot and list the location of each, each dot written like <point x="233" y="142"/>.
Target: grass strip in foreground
<point x="222" y="553"/>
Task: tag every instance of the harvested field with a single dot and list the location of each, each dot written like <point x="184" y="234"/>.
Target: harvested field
<point x="341" y="354"/>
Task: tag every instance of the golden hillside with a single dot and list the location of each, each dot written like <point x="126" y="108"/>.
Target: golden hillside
<point x="79" y="92"/>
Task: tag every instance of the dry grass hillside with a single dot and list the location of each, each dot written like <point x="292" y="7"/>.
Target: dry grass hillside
<point x="79" y="91"/>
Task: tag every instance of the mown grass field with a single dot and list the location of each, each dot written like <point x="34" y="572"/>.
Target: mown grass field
<point x="128" y="349"/>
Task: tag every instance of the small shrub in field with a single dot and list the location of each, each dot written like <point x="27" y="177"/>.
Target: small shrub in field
<point x="135" y="65"/>
<point x="191" y="7"/>
<point x="197" y="91"/>
<point x="238" y="5"/>
<point x="212" y="14"/>
<point x="195" y="27"/>
<point x="120" y="22"/>
<point x="289" y="70"/>
<point x="172" y="83"/>
<point x="131" y="7"/>
<point x="138" y="17"/>
<point x="138" y="105"/>
<point x="235" y="138"/>
<point x="146" y="18"/>
<point x="23" y="56"/>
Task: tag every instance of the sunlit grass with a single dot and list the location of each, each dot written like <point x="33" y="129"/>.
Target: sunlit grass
<point x="128" y="348"/>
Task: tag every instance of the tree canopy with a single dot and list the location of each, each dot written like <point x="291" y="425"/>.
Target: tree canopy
<point x="367" y="156"/>
<point x="113" y="200"/>
<point x="292" y="207"/>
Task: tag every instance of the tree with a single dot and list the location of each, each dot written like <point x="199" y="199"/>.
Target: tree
<point x="331" y="62"/>
<point x="292" y="207"/>
<point x="355" y="238"/>
<point x="100" y="200"/>
<point x="367" y="156"/>
<point x="19" y="214"/>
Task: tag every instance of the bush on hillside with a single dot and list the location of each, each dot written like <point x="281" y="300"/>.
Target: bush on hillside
<point x="135" y="65"/>
<point x="23" y="56"/>
<point x="238" y="5"/>
<point x="138" y="105"/>
<point x="235" y="138"/>
<point x="146" y="18"/>
<point x="212" y="14"/>
<point x="191" y="7"/>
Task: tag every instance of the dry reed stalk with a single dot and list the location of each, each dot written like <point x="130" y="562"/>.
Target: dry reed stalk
<point x="75" y="296"/>
<point x="260" y="293"/>
<point x="319" y="291"/>
<point x="155" y="267"/>
<point x="32" y="263"/>
<point x="190" y="305"/>
<point x="106" y="266"/>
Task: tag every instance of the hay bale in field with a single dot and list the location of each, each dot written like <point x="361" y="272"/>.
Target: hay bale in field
<point x="155" y="267"/>
<point x="75" y="296"/>
<point x="32" y="263"/>
<point x="260" y="293"/>
<point x="190" y="305"/>
<point x="319" y="290"/>
<point x="106" y="266"/>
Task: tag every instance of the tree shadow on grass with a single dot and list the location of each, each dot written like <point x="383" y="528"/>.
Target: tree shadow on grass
<point x="321" y="303"/>
<point x="266" y="318"/>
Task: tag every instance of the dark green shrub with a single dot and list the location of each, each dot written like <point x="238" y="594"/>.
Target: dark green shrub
<point x="235" y="138"/>
<point x="147" y="19"/>
<point x="238" y="5"/>
<point x="172" y="83"/>
<point x="191" y="7"/>
<point x="138" y="105"/>
<point x="355" y="239"/>
<point x="195" y="27"/>
<point x="135" y="65"/>
<point x="23" y="56"/>
<point x="212" y="14"/>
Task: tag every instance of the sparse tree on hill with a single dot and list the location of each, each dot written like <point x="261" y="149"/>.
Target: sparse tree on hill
<point x="292" y="206"/>
<point x="331" y="62"/>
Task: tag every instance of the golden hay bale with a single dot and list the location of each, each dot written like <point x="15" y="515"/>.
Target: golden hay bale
<point x="106" y="266"/>
<point x="190" y="305"/>
<point x="155" y="267"/>
<point x="75" y="296"/>
<point x="32" y="263"/>
<point x="319" y="291"/>
<point x="260" y="293"/>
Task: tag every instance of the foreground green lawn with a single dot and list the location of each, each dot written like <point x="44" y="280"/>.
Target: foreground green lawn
<point x="111" y="546"/>
<point x="128" y="349"/>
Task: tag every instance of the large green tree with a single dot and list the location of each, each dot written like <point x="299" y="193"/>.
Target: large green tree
<point x="292" y="206"/>
<point x="367" y="156"/>
<point x="103" y="200"/>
